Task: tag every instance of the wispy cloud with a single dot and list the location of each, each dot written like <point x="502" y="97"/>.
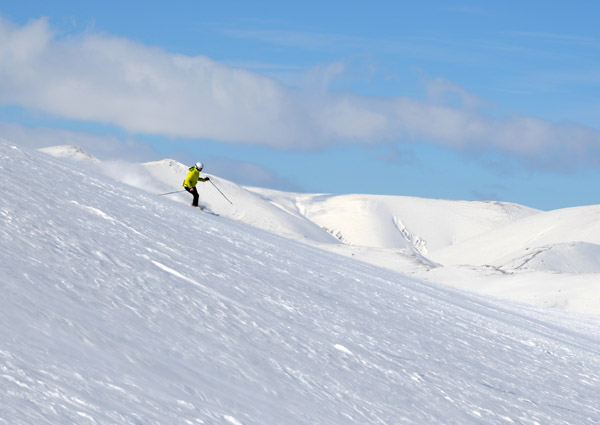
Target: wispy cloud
<point x="148" y="90"/>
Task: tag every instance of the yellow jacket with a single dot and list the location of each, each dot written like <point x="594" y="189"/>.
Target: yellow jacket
<point x="192" y="178"/>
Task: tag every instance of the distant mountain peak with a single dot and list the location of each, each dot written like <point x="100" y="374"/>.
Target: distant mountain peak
<point x="73" y="152"/>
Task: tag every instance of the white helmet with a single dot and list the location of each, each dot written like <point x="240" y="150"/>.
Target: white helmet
<point x="199" y="166"/>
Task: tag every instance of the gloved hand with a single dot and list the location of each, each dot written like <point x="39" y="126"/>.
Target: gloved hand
<point x="207" y="178"/>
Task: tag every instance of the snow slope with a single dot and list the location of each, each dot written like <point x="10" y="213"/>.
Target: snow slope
<point x="568" y="257"/>
<point x="544" y="230"/>
<point x="497" y="248"/>
<point x="120" y="307"/>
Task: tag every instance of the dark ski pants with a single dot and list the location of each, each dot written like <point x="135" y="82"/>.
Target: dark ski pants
<point x="194" y="192"/>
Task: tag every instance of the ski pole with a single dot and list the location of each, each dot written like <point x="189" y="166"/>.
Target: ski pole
<point x="221" y="192"/>
<point x="169" y="193"/>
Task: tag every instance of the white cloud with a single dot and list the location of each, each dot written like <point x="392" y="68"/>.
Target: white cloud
<point x="151" y="91"/>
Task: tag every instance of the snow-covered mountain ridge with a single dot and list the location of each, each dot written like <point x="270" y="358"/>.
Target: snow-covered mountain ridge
<point x="121" y="307"/>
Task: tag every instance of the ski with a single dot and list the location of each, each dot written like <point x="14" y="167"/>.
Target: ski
<point x="204" y="210"/>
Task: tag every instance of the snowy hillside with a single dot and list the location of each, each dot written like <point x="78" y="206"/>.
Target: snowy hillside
<point x="121" y="307"/>
<point x="549" y="259"/>
<point x="398" y="221"/>
<point x="540" y="233"/>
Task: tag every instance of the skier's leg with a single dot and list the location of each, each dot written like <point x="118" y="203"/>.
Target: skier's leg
<point x="194" y="193"/>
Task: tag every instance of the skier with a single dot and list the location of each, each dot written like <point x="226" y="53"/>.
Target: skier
<point x="192" y="178"/>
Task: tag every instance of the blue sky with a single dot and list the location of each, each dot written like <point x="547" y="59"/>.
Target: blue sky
<point x="456" y="100"/>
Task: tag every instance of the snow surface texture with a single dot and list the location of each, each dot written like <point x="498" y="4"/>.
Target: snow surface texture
<point x="122" y="307"/>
